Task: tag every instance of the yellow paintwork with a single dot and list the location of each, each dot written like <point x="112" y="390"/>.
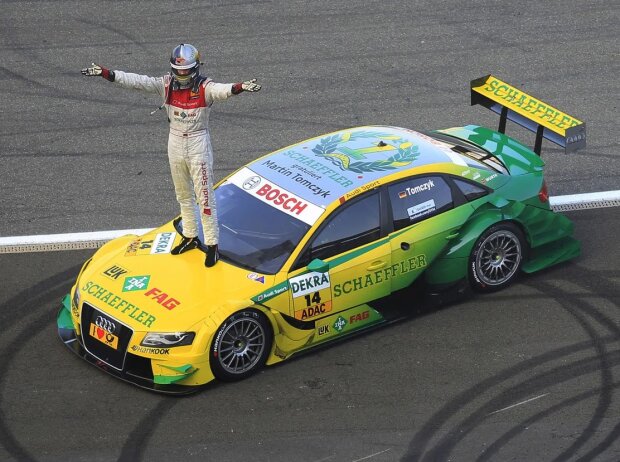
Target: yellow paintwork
<point x="526" y="105"/>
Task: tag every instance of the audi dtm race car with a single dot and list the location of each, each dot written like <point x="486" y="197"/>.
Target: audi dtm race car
<point x="315" y="236"/>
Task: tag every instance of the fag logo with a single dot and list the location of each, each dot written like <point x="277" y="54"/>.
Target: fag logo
<point x="135" y="283"/>
<point x="179" y="60"/>
<point x="359" y="317"/>
<point x="162" y="298"/>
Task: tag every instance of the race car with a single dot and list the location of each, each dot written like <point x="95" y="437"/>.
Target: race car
<point x="314" y="238"/>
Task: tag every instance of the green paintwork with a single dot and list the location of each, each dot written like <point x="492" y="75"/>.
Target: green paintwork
<point x="552" y="254"/>
<point x="183" y="371"/>
<point x="318" y="266"/>
<point x="63" y="320"/>
<point x="517" y="157"/>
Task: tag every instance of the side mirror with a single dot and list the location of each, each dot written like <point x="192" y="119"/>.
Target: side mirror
<point x="318" y="266"/>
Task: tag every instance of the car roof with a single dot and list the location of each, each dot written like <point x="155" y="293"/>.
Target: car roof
<point x="325" y="168"/>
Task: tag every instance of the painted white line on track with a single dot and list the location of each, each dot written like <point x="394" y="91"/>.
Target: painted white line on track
<point x="93" y="240"/>
<point x="595" y="200"/>
<point x="71" y="241"/>
<point x="518" y="404"/>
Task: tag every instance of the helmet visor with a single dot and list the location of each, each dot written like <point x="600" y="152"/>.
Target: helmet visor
<point x="183" y="75"/>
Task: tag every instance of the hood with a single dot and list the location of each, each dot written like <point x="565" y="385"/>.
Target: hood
<point x="136" y="280"/>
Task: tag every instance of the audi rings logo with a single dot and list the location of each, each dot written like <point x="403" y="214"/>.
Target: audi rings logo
<point x="105" y="324"/>
<point x="251" y="182"/>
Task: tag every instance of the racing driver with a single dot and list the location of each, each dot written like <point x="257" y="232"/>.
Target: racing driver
<point x="187" y="98"/>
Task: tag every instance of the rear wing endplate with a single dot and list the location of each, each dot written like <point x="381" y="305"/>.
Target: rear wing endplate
<point x="531" y="113"/>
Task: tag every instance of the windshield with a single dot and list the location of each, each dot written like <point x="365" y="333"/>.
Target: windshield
<point x="253" y="234"/>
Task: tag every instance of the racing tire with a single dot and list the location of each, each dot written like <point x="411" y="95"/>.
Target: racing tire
<point x="241" y="345"/>
<point x="496" y="259"/>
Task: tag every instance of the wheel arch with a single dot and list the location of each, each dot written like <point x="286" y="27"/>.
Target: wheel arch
<point x="453" y="264"/>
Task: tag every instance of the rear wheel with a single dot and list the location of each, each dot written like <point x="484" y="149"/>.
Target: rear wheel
<point x="497" y="257"/>
<point x="241" y="345"/>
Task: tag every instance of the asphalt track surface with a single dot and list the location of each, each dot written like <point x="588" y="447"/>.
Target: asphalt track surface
<point x="530" y="373"/>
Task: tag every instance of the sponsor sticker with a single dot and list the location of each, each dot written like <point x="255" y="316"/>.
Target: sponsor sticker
<point x="138" y="247"/>
<point x="421" y="209"/>
<point x="151" y="351"/>
<point x="314" y="311"/>
<point x="103" y="336"/>
<point x="340" y="324"/>
<point x="276" y="196"/>
<point x="163" y="243"/>
<point x="162" y="298"/>
<point x="122" y="306"/>
<point x="271" y="293"/>
<point x="135" y="283"/>
<point x="114" y="272"/>
<point x="256" y="277"/>
<point x="309" y="282"/>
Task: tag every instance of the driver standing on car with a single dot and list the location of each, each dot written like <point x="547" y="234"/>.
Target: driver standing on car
<point x="187" y="98"/>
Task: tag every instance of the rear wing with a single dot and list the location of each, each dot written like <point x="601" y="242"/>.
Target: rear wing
<point x="531" y="113"/>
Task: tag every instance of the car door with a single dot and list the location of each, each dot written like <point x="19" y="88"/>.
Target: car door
<point x="427" y="213"/>
<point x="353" y="257"/>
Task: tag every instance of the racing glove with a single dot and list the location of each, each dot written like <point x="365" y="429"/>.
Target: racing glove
<point x="96" y="69"/>
<point x="248" y="85"/>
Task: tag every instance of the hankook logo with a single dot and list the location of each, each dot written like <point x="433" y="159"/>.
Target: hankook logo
<point x="251" y="182"/>
<point x="105" y="324"/>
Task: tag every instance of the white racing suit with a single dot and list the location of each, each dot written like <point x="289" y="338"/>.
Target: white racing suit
<point x="189" y="146"/>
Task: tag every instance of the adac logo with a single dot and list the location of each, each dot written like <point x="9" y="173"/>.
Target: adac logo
<point x="354" y="160"/>
<point x="135" y="283"/>
<point x="340" y="323"/>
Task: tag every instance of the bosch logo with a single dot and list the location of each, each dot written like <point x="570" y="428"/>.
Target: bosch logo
<point x="251" y="182"/>
<point x="105" y="324"/>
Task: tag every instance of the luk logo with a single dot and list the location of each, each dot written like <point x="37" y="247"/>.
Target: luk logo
<point x="114" y="272"/>
<point x="323" y="330"/>
<point x="340" y="323"/>
<point x="135" y="283"/>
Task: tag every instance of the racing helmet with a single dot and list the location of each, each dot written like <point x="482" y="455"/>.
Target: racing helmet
<point x="185" y="64"/>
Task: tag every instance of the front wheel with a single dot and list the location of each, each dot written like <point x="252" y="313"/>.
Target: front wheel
<point x="496" y="258"/>
<point x="241" y="345"/>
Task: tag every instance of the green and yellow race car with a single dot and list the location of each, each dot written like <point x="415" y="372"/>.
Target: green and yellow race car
<point x="313" y="238"/>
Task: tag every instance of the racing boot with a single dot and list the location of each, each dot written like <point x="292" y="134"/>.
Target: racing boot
<point x="212" y="256"/>
<point x="187" y="243"/>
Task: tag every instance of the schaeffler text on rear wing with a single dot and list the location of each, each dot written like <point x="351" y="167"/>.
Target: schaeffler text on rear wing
<point x="531" y="113"/>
